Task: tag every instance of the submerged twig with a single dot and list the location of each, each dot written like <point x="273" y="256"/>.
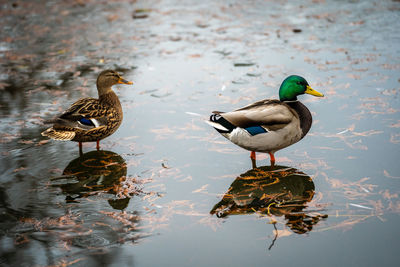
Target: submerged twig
<point x="276" y="236"/>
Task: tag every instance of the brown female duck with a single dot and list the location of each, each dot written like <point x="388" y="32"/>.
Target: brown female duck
<point x="91" y="119"/>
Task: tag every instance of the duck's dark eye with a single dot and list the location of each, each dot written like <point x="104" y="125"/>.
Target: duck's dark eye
<point x="298" y="82"/>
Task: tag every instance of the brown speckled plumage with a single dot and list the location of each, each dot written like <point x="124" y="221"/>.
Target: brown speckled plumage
<point x="90" y="119"/>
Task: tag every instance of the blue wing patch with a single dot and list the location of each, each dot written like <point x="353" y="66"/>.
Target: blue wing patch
<point x="86" y="122"/>
<point x="254" y="130"/>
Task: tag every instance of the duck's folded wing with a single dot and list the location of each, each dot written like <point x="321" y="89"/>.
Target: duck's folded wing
<point x="271" y="114"/>
<point x="84" y="114"/>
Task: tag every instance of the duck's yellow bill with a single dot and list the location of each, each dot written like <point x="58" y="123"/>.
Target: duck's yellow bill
<point x="123" y="81"/>
<point x="311" y="91"/>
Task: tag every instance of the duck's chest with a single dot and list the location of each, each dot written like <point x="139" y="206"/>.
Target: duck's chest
<point x="303" y="114"/>
<point x="113" y="108"/>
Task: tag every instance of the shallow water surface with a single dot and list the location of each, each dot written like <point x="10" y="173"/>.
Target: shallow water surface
<point x="166" y="189"/>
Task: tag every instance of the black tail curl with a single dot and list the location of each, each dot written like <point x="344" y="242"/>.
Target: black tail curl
<point x="223" y="122"/>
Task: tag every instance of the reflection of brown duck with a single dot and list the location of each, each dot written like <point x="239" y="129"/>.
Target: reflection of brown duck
<point x="270" y="190"/>
<point x="93" y="173"/>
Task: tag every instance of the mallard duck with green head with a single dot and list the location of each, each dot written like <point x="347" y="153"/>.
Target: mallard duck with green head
<point x="91" y="119"/>
<point x="268" y="125"/>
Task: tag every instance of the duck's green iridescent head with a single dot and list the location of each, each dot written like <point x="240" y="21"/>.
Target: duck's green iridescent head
<point x="293" y="86"/>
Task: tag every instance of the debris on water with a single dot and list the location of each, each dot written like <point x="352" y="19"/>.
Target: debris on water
<point x="164" y="166"/>
<point x="141" y="13"/>
<point x="141" y="16"/>
<point x="297" y="30"/>
<point x="193" y="113"/>
<point x="342" y="132"/>
<point x="253" y="74"/>
<point x="360" y="206"/>
<point x="244" y="64"/>
<point x="143" y="10"/>
<point x="365" y="189"/>
<point x="42" y="142"/>
<point x="161" y="96"/>
<point x="148" y="91"/>
<point x="175" y="38"/>
<point x="122" y="69"/>
<point x="386" y="173"/>
<point x="240" y="81"/>
<point x="201" y="24"/>
<point x="223" y="52"/>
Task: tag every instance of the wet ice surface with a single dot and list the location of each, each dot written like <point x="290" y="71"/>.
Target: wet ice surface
<point x="165" y="170"/>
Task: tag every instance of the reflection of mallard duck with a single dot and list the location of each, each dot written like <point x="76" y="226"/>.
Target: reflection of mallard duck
<point x="91" y="119"/>
<point x="268" y="125"/>
<point x="269" y="190"/>
<point x="93" y="173"/>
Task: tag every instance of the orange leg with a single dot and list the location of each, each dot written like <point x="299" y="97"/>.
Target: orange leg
<point x="253" y="159"/>
<point x="271" y="155"/>
<point x="98" y="145"/>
